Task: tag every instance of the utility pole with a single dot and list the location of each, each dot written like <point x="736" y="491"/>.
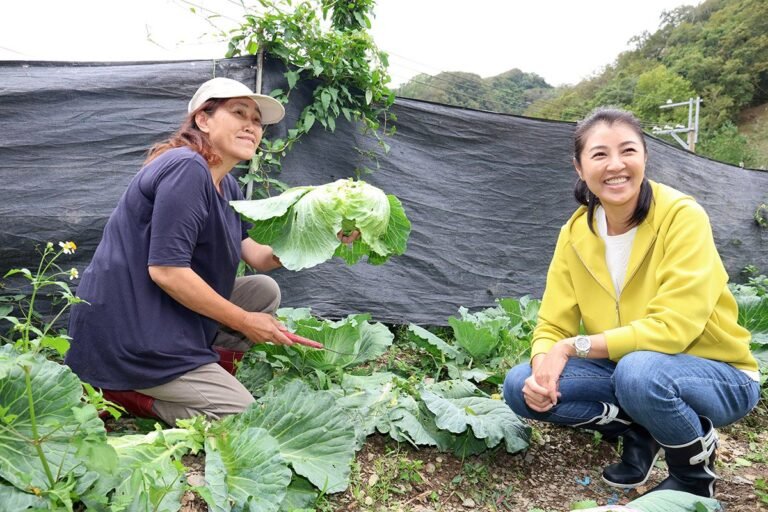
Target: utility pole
<point x="694" y="105"/>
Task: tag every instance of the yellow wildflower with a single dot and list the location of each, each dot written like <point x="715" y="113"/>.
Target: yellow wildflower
<point x="68" y="247"/>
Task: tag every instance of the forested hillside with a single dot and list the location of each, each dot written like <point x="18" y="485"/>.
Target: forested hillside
<point x="512" y="91"/>
<point x="717" y="50"/>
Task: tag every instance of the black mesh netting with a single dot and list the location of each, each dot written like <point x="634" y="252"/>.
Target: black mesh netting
<point x="486" y="193"/>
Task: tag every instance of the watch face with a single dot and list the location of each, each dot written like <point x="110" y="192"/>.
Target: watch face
<point x="582" y="343"/>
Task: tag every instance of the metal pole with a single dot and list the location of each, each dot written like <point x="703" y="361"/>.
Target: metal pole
<point x="696" y="124"/>
<point x="691" y="136"/>
<point x="259" y="71"/>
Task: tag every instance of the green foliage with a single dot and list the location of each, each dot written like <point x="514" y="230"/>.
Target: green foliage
<point x="717" y="50"/>
<point x="52" y="445"/>
<point x="348" y="70"/>
<point x="347" y="343"/>
<point x="302" y="224"/>
<point x="510" y="92"/>
<point x="655" y="87"/>
<point x="727" y="145"/>
<point x="761" y="215"/>
<point x="311" y="432"/>
<point x="30" y="332"/>
<point x="486" y="343"/>
<point x="245" y="469"/>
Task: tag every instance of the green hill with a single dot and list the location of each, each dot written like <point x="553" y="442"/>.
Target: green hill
<point x="510" y="92"/>
<point x="717" y="50"/>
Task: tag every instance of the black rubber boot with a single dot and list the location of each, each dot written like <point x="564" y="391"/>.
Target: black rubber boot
<point x="692" y="465"/>
<point x="639" y="453"/>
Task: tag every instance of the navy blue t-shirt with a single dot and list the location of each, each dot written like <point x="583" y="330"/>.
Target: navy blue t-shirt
<point x="132" y="334"/>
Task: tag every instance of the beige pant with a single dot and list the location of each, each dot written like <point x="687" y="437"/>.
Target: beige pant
<point x="210" y="389"/>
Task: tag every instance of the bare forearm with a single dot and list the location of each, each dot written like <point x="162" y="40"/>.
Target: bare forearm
<point x="259" y="257"/>
<point x="189" y="289"/>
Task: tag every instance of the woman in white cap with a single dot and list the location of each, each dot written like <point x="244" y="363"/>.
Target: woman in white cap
<point x="161" y="288"/>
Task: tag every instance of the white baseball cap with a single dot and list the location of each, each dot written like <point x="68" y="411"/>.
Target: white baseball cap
<point x="272" y="111"/>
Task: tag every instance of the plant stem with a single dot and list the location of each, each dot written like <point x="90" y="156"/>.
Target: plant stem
<point x="33" y="421"/>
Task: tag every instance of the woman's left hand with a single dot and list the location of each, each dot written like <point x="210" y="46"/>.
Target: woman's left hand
<point x="348" y="238"/>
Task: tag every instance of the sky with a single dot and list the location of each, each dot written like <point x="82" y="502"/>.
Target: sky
<point x="564" y="41"/>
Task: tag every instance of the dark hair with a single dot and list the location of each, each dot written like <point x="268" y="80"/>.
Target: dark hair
<point x="609" y="116"/>
<point x="189" y="135"/>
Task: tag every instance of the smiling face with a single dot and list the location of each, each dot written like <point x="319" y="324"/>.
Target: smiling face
<point x="234" y="130"/>
<point x="612" y="164"/>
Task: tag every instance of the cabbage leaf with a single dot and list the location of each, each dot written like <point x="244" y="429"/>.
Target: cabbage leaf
<point x="302" y="223"/>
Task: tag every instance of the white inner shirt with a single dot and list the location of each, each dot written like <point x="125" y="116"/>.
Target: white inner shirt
<point x="617" y="250"/>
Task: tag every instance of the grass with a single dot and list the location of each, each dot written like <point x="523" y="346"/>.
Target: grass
<point x="753" y="124"/>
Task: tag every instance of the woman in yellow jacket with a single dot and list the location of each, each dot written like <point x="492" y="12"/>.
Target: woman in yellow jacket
<point x="663" y="362"/>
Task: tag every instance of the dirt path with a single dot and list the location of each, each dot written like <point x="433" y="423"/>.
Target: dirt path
<point x="562" y="467"/>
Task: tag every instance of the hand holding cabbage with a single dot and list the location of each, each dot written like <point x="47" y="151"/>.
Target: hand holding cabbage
<point x="301" y="224"/>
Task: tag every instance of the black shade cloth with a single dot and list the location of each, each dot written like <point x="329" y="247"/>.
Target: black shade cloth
<point x="486" y="193"/>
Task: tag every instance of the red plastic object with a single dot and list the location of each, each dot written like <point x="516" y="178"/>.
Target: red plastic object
<point x="228" y="358"/>
<point x="302" y="340"/>
<point x="137" y="404"/>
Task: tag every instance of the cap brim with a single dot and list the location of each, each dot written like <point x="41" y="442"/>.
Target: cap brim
<point x="272" y="111"/>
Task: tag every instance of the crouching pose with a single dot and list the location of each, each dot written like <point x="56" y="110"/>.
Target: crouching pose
<point x="663" y="362"/>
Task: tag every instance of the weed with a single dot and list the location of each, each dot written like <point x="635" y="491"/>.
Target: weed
<point x="761" y="489"/>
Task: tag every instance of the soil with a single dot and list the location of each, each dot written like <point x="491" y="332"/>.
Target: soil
<point x="561" y="467"/>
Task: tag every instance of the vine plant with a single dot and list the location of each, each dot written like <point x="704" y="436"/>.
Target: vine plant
<point x="351" y="72"/>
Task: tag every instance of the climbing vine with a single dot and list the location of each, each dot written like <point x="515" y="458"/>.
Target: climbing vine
<point x="328" y="43"/>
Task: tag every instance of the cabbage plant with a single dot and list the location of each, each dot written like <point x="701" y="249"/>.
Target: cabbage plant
<point x="302" y="224"/>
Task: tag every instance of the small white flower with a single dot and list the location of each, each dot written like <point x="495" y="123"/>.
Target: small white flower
<point x="68" y="247"/>
<point x="73" y="274"/>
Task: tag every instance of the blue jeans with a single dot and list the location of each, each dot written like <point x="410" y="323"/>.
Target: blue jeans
<point x="664" y="393"/>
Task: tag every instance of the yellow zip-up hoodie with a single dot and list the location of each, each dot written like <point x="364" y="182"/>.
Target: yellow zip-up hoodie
<point x="675" y="297"/>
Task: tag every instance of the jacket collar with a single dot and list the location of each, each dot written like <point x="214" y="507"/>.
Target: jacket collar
<point x="590" y="248"/>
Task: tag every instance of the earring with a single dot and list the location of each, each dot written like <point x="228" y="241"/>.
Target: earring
<point x="586" y="195"/>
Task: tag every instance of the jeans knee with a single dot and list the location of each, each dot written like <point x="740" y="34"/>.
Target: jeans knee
<point x="513" y="388"/>
<point x="639" y="380"/>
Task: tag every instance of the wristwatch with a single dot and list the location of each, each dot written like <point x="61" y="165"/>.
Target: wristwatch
<point x="583" y="345"/>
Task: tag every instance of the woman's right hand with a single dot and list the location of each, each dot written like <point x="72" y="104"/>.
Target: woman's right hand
<point x="262" y="327"/>
<point x="540" y="389"/>
<point x="535" y="395"/>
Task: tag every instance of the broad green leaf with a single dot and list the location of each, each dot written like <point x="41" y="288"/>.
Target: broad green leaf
<point x="325" y="99"/>
<point x="156" y="487"/>
<point x="58" y="343"/>
<point x="264" y="209"/>
<point x="312" y="431"/>
<point x="673" y="501"/>
<point x="300" y="495"/>
<point x="490" y="420"/>
<point x="479" y="333"/>
<point x="12" y="499"/>
<point x="303" y="230"/>
<point x="5" y="310"/>
<point x="348" y="342"/>
<point x="432" y="343"/>
<point x="246" y="468"/>
<point x="292" y="77"/>
<point x="255" y="373"/>
<point x="290" y="316"/>
<point x="375" y="340"/>
<point x="69" y="431"/>
<point x="148" y="473"/>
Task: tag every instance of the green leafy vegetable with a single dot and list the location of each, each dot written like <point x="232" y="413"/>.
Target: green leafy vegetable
<point x="348" y="342"/>
<point x="246" y="467"/>
<point x="312" y="432"/>
<point x="456" y="407"/>
<point x="301" y="224"/>
<point x="47" y="434"/>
